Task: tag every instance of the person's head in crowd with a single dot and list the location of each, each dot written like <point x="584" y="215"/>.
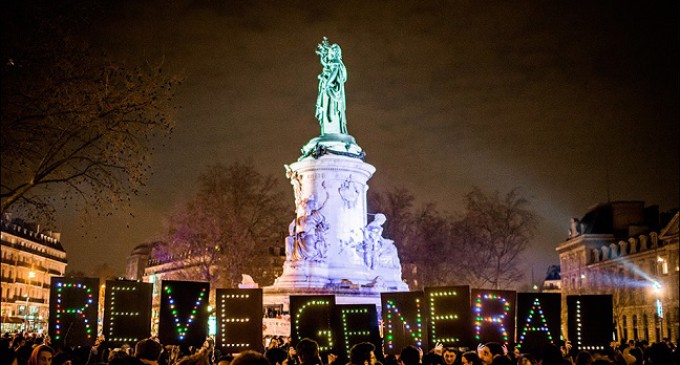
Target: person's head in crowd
<point x="470" y="358"/>
<point x="584" y="358"/>
<point x="660" y="353"/>
<point x="41" y="355"/>
<point x="18" y="341"/>
<point x="308" y="351"/>
<point x="250" y="358"/>
<point x="201" y="357"/>
<point x="6" y="352"/>
<point x="391" y="359"/>
<point x="668" y="343"/>
<point x="432" y="358"/>
<point x="551" y="354"/>
<point x="627" y="356"/>
<point x="362" y="354"/>
<point x="119" y="353"/>
<point x="526" y="359"/>
<point x="275" y="356"/>
<point x="490" y="351"/>
<point x="225" y="360"/>
<point x="292" y="352"/>
<point x="410" y="355"/>
<point x="148" y="351"/>
<point x="514" y="354"/>
<point x="450" y="355"/>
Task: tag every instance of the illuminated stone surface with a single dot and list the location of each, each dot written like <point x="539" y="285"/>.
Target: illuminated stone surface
<point x="334" y="246"/>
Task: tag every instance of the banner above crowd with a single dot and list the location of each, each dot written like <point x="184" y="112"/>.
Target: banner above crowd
<point x="454" y="316"/>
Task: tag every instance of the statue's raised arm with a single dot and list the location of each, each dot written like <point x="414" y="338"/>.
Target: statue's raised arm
<point x="330" y="104"/>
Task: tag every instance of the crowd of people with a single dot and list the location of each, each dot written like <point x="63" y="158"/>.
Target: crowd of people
<point x="23" y="349"/>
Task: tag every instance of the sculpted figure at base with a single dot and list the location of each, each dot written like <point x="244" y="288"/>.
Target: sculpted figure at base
<point x="387" y="256"/>
<point x="308" y="233"/>
<point x="379" y="251"/>
<point x="330" y="104"/>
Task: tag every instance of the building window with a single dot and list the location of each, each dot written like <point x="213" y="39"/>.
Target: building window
<point x="635" y="327"/>
<point x="624" y="335"/>
<point x="645" y="327"/>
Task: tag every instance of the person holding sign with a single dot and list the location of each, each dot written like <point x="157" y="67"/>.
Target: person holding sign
<point x="493" y="354"/>
<point x="148" y="351"/>
<point x="362" y="354"/>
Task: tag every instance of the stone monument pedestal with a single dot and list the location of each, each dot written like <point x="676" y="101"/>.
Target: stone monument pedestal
<point x="332" y="249"/>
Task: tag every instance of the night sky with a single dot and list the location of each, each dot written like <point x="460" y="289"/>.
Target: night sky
<point x="548" y="96"/>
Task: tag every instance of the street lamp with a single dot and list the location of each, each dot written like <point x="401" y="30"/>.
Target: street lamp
<point x="26" y="313"/>
<point x="31" y="275"/>
<point x="658" y="289"/>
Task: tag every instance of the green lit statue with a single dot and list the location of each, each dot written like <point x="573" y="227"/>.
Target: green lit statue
<point x="330" y="104"/>
<point x="330" y="109"/>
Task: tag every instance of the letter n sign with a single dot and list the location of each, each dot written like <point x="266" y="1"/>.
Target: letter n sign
<point x="403" y="315"/>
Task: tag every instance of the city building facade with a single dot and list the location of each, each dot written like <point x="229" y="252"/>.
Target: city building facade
<point x="629" y="251"/>
<point x="30" y="257"/>
<point x="138" y="261"/>
<point x="552" y="282"/>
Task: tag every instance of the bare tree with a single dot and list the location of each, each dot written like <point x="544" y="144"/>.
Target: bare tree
<point x="75" y="124"/>
<point x="480" y="246"/>
<point x="234" y="225"/>
<point x="491" y="235"/>
<point x="398" y="206"/>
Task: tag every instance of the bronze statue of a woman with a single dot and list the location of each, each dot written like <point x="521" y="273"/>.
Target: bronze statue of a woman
<point x="330" y="104"/>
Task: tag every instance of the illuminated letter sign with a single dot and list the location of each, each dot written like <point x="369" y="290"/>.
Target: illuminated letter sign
<point x="127" y="311"/>
<point x="403" y="314"/>
<point x="311" y="317"/>
<point x="538" y="320"/>
<point x="493" y="313"/>
<point x="239" y="320"/>
<point x="355" y="324"/>
<point x="184" y="313"/>
<point x="590" y="321"/>
<point x="448" y="315"/>
<point x="74" y="305"/>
